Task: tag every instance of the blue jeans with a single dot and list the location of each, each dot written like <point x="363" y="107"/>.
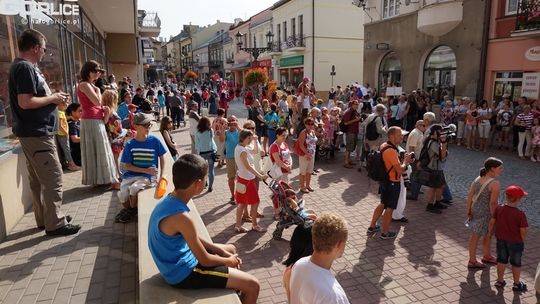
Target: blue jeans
<point x="415" y="186"/>
<point x="271" y="136"/>
<point x="208" y="157"/>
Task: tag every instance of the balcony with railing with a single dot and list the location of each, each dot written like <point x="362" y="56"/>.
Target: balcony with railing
<point x="275" y="48"/>
<point x="527" y="19"/>
<point x="229" y="60"/>
<point x="215" y="63"/>
<point x="294" y="43"/>
<point x="439" y="17"/>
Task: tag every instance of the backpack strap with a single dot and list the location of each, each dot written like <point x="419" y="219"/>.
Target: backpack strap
<point x="388" y="146"/>
<point x="482" y="188"/>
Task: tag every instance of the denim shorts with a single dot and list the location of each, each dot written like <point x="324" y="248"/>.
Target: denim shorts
<point x="509" y="251"/>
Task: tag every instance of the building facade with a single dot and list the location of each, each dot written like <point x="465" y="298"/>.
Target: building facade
<point x="435" y="45"/>
<point x="94" y="33"/>
<point x="309" y="40"/>
<point x="513" y="56"/>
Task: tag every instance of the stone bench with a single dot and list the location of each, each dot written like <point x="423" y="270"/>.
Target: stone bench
<point x="152" y="288"/>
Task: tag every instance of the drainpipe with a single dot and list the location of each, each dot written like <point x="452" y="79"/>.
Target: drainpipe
<point x="483" y="51"/>
<point x="313" y="41"/>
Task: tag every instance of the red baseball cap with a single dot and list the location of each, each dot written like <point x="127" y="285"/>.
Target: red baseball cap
<point x="516" y="192"/>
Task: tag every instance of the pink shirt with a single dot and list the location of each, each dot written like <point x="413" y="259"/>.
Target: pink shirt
<point x="89" y="109"/>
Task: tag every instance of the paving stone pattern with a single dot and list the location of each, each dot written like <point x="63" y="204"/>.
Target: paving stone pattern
<point x="97" y="265"/>
<point x="425" y="264"/>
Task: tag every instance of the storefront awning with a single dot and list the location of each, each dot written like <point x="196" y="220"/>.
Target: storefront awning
<point x="240" y="66"/>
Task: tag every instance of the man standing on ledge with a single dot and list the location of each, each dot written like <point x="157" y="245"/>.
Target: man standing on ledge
<point x="35" y="123"/>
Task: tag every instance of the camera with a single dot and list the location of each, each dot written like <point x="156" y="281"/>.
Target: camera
<point x="474" y="114"/>
<point x="413" y="156"/>
<point x="449" y="130"/>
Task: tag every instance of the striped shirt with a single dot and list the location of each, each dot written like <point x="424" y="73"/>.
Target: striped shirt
<point x="142" y="154"/>
<point x="526" y="120"/>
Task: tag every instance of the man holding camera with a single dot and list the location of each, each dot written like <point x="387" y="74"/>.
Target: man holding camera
<point x="437" y="151"/>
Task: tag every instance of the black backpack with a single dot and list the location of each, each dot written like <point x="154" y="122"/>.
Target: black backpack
<point x="371" y="130"/>
<point x="376" y="169"/>
<point x="424" y="158"/>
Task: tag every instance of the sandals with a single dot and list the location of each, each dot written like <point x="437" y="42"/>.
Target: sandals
<point x="258" y="229"/>
<point x="247" y="219"/>
<point x="240" y="230"/>
<point x="304" y="190"/>
<point x="402" y="220"/>
<point x="475" y="265"/>
<point x="500" y="284"/>
<point x="310" y="189"/>
<point x="489" y="260"/>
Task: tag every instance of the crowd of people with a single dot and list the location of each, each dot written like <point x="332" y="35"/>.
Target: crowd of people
<point x="107" y="135"/>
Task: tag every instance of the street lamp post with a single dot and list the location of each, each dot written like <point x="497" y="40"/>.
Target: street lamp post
<point x="255" y="51"/>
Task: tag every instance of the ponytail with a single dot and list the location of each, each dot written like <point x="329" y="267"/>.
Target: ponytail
<point x="483" y="172"/>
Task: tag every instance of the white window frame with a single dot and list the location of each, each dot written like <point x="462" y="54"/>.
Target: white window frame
<point x="507" y="12"/>
<point x="390" y="8"/>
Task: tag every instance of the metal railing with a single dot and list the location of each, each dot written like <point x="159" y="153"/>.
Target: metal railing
<point x="276" y="47"/>
<point x="294" y="41"/>
<point x="215" y="63"/>
<point x="528" y="15"/>
<point x="229" y="60"/>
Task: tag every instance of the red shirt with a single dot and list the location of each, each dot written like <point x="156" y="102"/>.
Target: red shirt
<point x="283" y="151"/>
<point x="508" y="221"/>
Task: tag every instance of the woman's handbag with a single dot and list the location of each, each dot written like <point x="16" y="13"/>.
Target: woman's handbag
<point x="423" y="176"/>
<point x="297" y="150"/>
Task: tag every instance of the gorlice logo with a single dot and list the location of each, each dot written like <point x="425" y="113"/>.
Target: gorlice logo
<point x="35" y="9"/>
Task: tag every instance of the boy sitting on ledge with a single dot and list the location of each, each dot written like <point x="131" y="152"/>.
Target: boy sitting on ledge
<point x="183" y="258"/>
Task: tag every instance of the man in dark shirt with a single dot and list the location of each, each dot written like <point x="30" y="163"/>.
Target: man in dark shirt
<point x="35" y="117"/>
<point x="138" y="98"/>
<point x="175" y="104"/>
<point x="198" y="99"/>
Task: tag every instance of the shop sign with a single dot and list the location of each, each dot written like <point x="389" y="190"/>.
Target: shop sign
<point x="533" y="54"/>
<point x="292" y="61"/>
<point x="262" y="63"/>
<point x="531" y="85"/>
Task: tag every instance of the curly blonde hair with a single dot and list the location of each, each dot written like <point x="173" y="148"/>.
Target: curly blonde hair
<point x="328" y="230"/>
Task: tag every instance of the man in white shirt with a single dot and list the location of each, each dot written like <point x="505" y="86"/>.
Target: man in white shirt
<point x="312" y="282"/>
<point x="415" y="142"/>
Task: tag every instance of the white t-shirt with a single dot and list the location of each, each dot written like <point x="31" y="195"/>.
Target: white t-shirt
<point x="415" y="139"/>
<point x="242" y="170"/>
<point x="485" y="113"/>
<point x="311" y="284"/>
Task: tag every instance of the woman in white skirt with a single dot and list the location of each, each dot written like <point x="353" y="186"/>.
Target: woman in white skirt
<point x="98" y="165"/>
<point x="219" y="125"/>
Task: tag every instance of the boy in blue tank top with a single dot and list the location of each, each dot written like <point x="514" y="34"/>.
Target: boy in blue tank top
<point x="183" y="258"/>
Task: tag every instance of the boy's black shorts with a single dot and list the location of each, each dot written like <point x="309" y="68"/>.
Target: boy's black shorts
<point x="206" y="277"/>
<point x="509" y="251"/>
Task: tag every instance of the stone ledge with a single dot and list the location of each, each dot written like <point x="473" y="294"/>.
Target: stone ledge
<point x="152" y="288"/>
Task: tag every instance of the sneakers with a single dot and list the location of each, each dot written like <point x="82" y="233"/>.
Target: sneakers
<point x="431" y="208"/>
<point x="374" y="229"/>
<point x="439" y="205"/>
<point x="533" y="159"/>
<point x="500" y="284"/>
<point x="68" y="219"/>
<point x="388" y="236"/>
<point x="68" y="229"/>
<point x="519" y="287"/>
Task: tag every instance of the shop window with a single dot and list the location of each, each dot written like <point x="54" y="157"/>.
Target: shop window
<point x="440" y="72"/>
<point x="52" y="64"/>
<point x="511" y="7"/>
<point x="389" y="72"/>
<point x="509" y="84"/>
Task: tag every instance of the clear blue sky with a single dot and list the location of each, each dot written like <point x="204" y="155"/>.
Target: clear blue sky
<point x="175" y="13"/>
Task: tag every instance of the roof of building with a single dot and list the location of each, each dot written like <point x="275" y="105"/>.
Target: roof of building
<point x="279" y="3"/>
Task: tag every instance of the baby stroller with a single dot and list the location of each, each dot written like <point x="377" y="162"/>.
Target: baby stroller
<point x="287" y="216"/>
